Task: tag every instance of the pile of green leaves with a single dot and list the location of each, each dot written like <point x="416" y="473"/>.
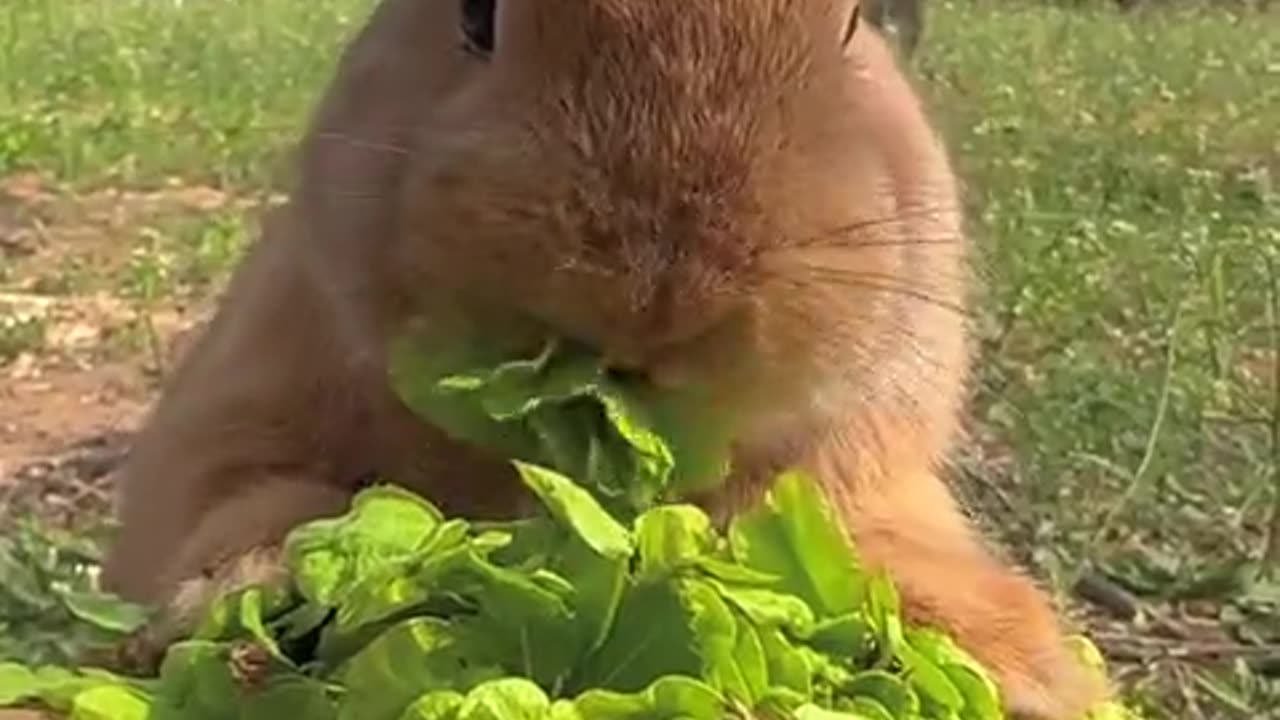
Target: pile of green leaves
<point x="50" y="609"/>
<point x="609" y="605"/>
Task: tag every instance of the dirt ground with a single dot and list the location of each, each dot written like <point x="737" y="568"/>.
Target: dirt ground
<point x="80" y="356"/>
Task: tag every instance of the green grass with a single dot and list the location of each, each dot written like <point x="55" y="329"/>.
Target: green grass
<point x="1122" y="180"/>
<point x="1122" y="175"/>
<point x="137" y="90"/>
<point x="19" y="334"/>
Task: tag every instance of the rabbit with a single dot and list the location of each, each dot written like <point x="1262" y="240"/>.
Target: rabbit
<point x="740" y="203"/>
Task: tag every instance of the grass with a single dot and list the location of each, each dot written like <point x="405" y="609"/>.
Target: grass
<point x="134" y="91"/>
<point x="1122" y="175"/>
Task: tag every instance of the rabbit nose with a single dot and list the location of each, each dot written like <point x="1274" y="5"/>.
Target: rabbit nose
<point x="628" y="365"/>
<point x="652" y="373"/>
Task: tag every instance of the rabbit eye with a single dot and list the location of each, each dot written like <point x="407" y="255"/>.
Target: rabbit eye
<point x="852" y="26"/>
<point x="477" y="25"/>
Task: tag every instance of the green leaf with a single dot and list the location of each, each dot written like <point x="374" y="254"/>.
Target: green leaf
<point x="195" y="677"/>
<point x="543" y="410"/>
<point x="1083" y="649"/>
<point x="435" y="705"/>
<point x="385" y="525"/>
<point x="941" y="648"/>
<point x="559" y="410"/>
<point x="443" y="564"/>
<point x="1113" y="710"/>
<point x="731" y="572"/>
<point x="813" y="712"/>
<point x="110" y="702"/>
<point x="981" y="695"/>
<point x="581" y="440"/>
<point x="104" y="611"/>
<point x="242" y="615"/>
<point x="715" y="641"/>
<point x="929" y="679"/>
<point x="651" y="638"/>
<point x="828" y="672"/>
<point x="59" y="686"/>
<point x="733" y="659"/>
<point x="574" y="507"/>
<point x="792" y="535"/>
<point x="54" y="687"/>
<point x="873" y="709"/>
<point x="671" y="537"/>
<point x="526" y="624"/>
<point x="884" y="610"/>
<point x="519" y="618"/>
<point x="889" y="691"/>
<point x="651" y="455"/>
<point x="434" y="384"/>
<point x="767" y="608"/>
<point x="788" y="667"/>
<point x="505" y="699"/>
<point x="517" y="389"/>
<point x="20" y="581"/>
<point x="302" y="620"/>
<point x="780" y="702"/>
<point x="850" y="636"/>
<point x="749" y="657"/>
<point x="696" y="432"/>
<point x="981" y="698"/>
<point x="410" y="659"/>
<point x="598" y="584"/>
<point x="290" y="697"/>
<point x="667" y="698"/>
<point x="17" y="683"/>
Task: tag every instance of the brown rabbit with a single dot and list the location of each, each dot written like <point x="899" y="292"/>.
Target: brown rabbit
<point x="739" y="200"/>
